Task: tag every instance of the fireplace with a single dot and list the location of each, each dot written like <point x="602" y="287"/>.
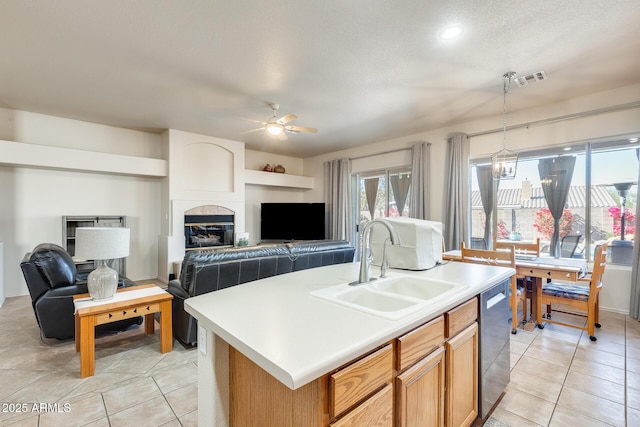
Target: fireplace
<point x="206" y="230"/>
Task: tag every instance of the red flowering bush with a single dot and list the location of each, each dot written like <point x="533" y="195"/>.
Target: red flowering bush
<point x="543" y="223"/>
<point x="629" y="220"/>
<point x="503" y="233"/>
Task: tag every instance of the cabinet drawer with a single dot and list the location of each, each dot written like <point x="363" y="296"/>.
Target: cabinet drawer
<point x="360" y="379"/>
<point x="460" y="317"/>
<point x="418" y="343"/>
<point x="375" y="411"/>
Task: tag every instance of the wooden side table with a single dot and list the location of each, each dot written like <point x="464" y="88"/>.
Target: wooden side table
<point x="142" y="300"/>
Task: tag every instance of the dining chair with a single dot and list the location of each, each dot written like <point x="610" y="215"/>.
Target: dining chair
<point x="569" y="244"/>
<point x="478" y="243"/>
<point x="502" y="258"/>
<point x="524" y="282"/>
<point x="583" y="295"/>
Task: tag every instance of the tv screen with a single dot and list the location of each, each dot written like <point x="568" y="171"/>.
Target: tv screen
<point x="292" y="221"/>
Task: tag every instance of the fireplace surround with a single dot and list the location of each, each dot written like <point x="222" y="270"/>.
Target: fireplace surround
<point x="207" y="227"/>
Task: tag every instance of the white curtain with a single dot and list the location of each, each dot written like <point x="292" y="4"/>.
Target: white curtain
<point x="337" y="196"/>
<point x="456" y="192"/>
<point x="420" y="159"/>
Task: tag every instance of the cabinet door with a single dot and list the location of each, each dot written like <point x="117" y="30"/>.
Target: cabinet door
<point x="462" y="378"/>
<point x="420" y="393"/>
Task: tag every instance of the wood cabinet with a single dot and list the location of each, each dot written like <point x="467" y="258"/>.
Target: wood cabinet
<point x="461" y="362"/>
<point x="420" y="392"/>
<point x="358" y="380"/>
<point x="420" y="386"/>
<point x="69" y="225"/>
<point x="426" y="377"/>
<point x="375" y="411"/>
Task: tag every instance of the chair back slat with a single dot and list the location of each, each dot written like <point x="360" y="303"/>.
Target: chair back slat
<point x="524" y="248"/>
<point x="503" y="258"/>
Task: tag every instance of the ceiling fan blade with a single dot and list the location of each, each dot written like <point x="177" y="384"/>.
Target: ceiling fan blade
<point x="255" y="121"/>
<point x="300" y="129"/>
<point x="286" y="119"/>
<point x="282" y="136"/>
<point x="253" y="130"/>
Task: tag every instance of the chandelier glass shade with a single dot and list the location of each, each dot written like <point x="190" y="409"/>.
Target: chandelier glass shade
<point x="505" y="162"/>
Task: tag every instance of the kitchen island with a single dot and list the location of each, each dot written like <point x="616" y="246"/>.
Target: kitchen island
<point x="297" y="337"/>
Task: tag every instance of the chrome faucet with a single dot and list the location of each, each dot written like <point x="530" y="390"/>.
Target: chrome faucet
<point x="365" y="259"/>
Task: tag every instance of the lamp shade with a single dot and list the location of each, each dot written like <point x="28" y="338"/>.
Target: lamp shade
<point x="102" y="242"/>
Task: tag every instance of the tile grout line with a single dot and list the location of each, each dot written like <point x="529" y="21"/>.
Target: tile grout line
<point x="575" y="350"/>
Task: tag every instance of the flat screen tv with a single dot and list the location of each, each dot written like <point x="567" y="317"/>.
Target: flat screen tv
<point x="291" y="221"/>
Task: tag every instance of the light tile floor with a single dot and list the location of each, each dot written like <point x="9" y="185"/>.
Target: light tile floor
<point x="134" y="384"/>
<point x="558" y="377"/>
<point x="561" y="378"/>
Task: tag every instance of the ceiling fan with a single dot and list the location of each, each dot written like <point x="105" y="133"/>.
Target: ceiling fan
<point x="278" y="126"/>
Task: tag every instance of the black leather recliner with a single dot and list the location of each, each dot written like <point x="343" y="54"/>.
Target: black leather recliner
<point x="52" y="280"/>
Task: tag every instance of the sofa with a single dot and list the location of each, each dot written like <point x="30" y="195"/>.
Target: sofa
<point x="209" y="271"/>
<point x="53" y="280"/>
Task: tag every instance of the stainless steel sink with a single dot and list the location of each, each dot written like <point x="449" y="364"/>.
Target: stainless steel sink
<point x="392" y="298"/>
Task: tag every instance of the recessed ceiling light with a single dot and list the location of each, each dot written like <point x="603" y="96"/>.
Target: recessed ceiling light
<point x="450" y="32"/>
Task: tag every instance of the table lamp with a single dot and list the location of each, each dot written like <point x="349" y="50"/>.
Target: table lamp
<point x="101" y="244"/>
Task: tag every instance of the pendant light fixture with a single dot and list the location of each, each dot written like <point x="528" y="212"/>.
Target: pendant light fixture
<point x="504" y="162"/>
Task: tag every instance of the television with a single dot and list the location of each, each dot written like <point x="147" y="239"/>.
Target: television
<point x="291" y="221"/>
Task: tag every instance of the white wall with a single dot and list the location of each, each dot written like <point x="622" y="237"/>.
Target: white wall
<point x="35" y="199"/>
<point x="257" y="194"/>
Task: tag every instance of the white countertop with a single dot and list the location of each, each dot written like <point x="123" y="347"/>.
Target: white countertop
<point x="298" y="337"/>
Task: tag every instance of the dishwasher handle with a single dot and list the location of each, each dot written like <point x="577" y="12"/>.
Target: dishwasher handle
<point x="495" y="300"/>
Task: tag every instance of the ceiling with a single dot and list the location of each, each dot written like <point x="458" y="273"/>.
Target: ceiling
<point x="360" y="71"/>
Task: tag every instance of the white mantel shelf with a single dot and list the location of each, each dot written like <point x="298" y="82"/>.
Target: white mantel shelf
<point x="273" y="179"/>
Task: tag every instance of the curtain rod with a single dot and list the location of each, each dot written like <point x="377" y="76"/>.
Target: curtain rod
<point x="620" y="107"/>
<point x="385" y="152"/>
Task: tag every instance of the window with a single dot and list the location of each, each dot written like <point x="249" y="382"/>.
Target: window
<point x="382" y="194"/>
<point x="593" y="208"/>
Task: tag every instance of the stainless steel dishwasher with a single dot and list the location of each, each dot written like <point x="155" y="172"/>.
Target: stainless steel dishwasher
<point x="495" y="330"/>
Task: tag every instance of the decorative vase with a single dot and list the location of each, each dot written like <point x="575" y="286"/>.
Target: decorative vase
<point x="102" y="282"/>
<point x="279" y="169"/>
<point x="267" y="168"/>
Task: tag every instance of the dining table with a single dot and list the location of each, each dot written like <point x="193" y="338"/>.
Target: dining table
<point x="541" y="269"/>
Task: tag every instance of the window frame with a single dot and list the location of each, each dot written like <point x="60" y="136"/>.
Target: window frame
<point x="588" y="149"/>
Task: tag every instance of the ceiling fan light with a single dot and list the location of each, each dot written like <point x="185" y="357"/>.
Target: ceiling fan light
<point x="274" y="128"/>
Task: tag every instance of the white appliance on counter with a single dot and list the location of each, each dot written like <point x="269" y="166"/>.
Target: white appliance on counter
<point x="420" y="245"/>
